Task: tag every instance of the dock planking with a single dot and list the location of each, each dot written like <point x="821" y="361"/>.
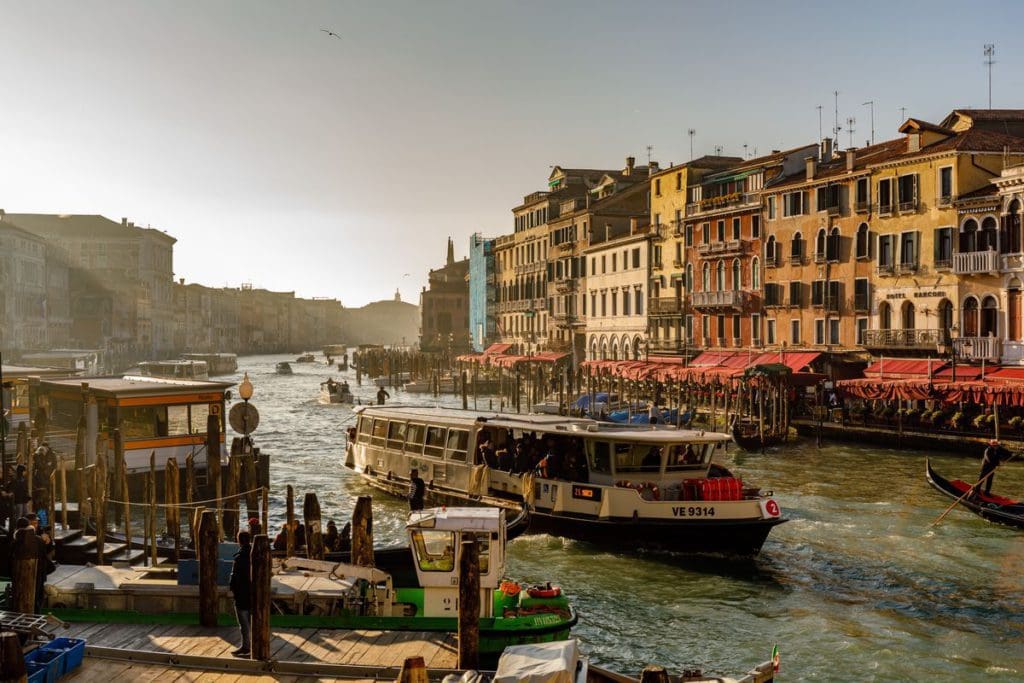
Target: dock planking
<point x="329" y="646"/>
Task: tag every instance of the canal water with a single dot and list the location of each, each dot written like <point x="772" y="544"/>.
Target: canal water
<point x="856" y="586"/>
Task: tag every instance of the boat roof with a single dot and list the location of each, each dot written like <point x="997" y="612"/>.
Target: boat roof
<point x="187" y="362"/>
<point x="580" y="426"/>
<point x="130" y="385"/>
<point x="61" y="353"/>
<point x="456" y="519"/>
<point x="12" y="372"/>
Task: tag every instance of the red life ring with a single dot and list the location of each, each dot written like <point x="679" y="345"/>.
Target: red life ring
<point x="652" y="488"/>
<point x="623" y="484"/>
<point x="544" y="593"/>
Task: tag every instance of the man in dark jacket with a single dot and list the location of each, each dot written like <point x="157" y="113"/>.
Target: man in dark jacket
<point x="417" y="490"/>
<point x="993" y="456"/>
<point x="241" y="589"/>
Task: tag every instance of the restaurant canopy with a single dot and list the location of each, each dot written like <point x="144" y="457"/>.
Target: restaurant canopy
<point x="1006" y="389"/>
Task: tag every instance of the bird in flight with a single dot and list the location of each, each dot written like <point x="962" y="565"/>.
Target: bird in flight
<point x="331" y="33"/>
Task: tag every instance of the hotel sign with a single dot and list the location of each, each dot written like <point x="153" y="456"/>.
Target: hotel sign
<point x="918" y="294"/>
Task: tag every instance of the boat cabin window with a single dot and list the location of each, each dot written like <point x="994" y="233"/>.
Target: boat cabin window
<point x="177" y="420"/>
<point x="690" y="456"/>
<point x="435" y="442"/>
<point x="435" y="550"/>
<point x="600" y="458"/>
<point x="637" y="457"/>
<point x="396" y="435"/>
<point x="457" y="443"/>
<point x="483" y="540"/>
<point x="199" y="413"/>
<point x="365" y="425"/>
<point x="380" y="431"/>
<point x="64" y="413"/>
<point x="414" y="438"/>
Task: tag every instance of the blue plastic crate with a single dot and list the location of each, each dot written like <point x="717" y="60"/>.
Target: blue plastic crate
<point x="73" y="649"/>
<point x="50" y="660"/>
<point x="36" y="672"/>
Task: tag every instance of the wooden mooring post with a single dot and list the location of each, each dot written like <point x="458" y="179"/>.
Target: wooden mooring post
<point x="314" y="535"/>
<point x="469" y="603"/>
<point x="206" y="551"/>
<point x="213" y="463"/>
<point x="100" y="503"/>
<point x="172" y="501"/>
<point x="362" y="532"/>
<point x="119" y="466"/>
<point x="24" y="558"/>
<point x="150" y="510"/>
<point x="80" y="437"/>
<point x="12" y="658"/>
<point x="259" y="573"/>
<point x="126" y="512"/>
<point x="289" y="533"/>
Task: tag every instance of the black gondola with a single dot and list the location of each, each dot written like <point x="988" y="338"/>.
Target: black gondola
<point x="747" y="436"/>
<point x="993" y="508"/>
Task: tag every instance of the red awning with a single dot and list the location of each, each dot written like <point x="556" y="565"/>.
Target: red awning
<point x="1014" y="374"/>
<point x="711" y="358"/>
<point x="963" y="372"/>
<point x="794" y="360"/>
<point x="495" y="349"/>
<point x="549" y="356"/>
<point x="896" y="368"/>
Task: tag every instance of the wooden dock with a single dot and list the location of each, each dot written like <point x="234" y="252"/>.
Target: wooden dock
<point x="190" y="653"/>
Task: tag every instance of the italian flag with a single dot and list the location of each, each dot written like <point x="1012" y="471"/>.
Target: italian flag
<point x="775" y="657"/>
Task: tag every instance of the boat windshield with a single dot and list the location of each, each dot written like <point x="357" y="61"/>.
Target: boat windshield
<point x="690" y="456"/>
<point x="647" y="457"/>
<point x="435" y="550"/>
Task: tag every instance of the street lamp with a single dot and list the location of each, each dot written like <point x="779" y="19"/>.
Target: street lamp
<point x="245" y="392"/>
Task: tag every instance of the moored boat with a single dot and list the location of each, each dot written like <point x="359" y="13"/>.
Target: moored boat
<point x="651" y="486"/>
<point x="284" y="368"/>
<point x="175" y="369"/>
<point x="996" y="509"/>
<point x="306" y="358"/>
<point x="749" y="436"/>
<point x="217" y="363"/>
<point x="336" y="392"/>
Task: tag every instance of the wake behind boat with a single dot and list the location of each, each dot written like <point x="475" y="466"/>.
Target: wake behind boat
<point x="630" y="486"/>
<point x="993" y="508"/>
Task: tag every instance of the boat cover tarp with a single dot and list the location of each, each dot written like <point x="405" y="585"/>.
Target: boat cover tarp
<point x="541" y="663"/>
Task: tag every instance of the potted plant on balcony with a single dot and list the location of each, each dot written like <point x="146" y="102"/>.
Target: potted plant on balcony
<point x="956" y="421"/>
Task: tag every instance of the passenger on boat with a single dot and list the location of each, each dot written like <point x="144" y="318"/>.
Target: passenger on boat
<point x="505" y="460"/>
<point x="521" y="459"/>
<point x="281" y="540"/>
<point x="417" y="490"/>
<point x="240" y="584"/>
<point x="485" y="452"/>
<point x="331" y="536"/>
<point x="550" y="466"/>
<point x="652" y="460"/>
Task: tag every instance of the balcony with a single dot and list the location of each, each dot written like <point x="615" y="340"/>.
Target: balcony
<point x="885" y="208"/>
<point x="724" y="248"/>
<point x="885" y="269"/>
<point x="819" y="257"/>
<point x="659" y="232"/>
<point x="796" y="260"/>
<point x="945" y="201"/>
<point x="666" y="305"/>
<point x="565" y="286"/>
<point x="725" y="201"/>
<point x="832" y="210"/>
<point x="862" y="206"/>
<point x="727" y="299"/>
<point x="676" y="263"/>
<point x="772" y="260"/>
<point x="977" y="348"/>
<point x="970" y="262"/>
<point x="908" y="207"/>
<point x="903" y="339"/>
<point x="568" y="245"/>
<point x="528" y="268"/>
<point x="908" y="268"/>
<point x="675" y="346"/>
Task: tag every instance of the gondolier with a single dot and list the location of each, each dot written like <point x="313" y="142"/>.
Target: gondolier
<point x="994" y="454"/>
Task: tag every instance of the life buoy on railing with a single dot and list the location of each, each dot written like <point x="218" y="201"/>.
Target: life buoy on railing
<point x="544" y="593"/>
<point x="649" y="488"/>
<point x="623" y="484"/>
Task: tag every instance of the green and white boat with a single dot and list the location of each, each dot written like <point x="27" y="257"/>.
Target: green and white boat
<point x="309" y="593"/>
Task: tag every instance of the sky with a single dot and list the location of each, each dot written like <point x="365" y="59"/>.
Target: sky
<point x="281" y="156"/>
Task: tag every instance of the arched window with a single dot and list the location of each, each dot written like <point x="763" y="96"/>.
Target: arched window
<point x="989" y="233"/>
<point x="593" y="348"/>
<point x="969" y="235"/>
<point x="1013" y="233"/>
<point x="604" y="349"/>
<point x="736" y="275"/>
<point x="819" y="245"/>
<point x="832" y="246"/>
<point x="689" y="278"/>
<point x="884" y="316"/>
<point x="705" y="278"/>
<point x="970" y="317"/>
<point x="720" y="276"/>
<point x="626" y="351"/>
<point x="989" y="317"/>
<point x="637" y="344"/>
<point x="863" y="241"/>
<point x="945" y="314"/>
<point x="1013" y="310"/>
<point x="769" y="250"/>
<point x="797" y="247"/>
<point x="755" y="274"/>
<point x="907" y="315"/>
<point x="615" y="349"/>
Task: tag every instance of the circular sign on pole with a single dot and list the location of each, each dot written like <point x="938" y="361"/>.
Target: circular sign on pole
<point x="244" y="418"/>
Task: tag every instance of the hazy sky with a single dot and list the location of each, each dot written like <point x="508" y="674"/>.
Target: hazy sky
<point x="281" y="156"/>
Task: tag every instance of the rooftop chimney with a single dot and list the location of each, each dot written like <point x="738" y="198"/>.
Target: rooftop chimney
<point x="851" y="156"/>
<point x="124" y="221"/>
<point x="826" y="149"/>
<point x="812" y="165"/>
<point x="630" y="163"/>
<point x="652" y="168"/>
<point x="634" y="224"/>
<point x="181" y="280"/>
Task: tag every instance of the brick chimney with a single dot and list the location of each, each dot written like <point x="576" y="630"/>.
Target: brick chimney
<point x="851" y="156"/>
<point x="124" y="221"/>
<point x="826" y="149"/>
<point x="630" y="163"/>
<point x="812" y="166"/>
<point x="652" y="168"/>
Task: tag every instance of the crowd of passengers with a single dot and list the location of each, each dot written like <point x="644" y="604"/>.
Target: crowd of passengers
<point x="549" y="456"/>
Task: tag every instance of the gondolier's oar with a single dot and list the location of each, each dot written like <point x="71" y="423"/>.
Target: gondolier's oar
<point x="968" y="492"/>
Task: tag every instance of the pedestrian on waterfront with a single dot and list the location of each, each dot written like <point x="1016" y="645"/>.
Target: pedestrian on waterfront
<point x="19" y="489"/>
<point x="417" y="490"/>
<point x="241" y="590"/>
<point x="990" y="460"/>
<point x="382" y="394"/>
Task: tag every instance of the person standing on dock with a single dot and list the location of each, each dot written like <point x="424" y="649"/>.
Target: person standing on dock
<point x="989" y="462"/>
<point x="241" y="589"/>
<point x="381" y="395"/>
<point x="19" y="489"/>
<point x="417" y="490"/>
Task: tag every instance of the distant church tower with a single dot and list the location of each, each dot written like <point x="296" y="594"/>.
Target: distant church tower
<point x="451" y="252"/>
<point x="398" y="295"/>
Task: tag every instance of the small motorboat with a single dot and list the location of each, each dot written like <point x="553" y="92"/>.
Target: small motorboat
<point x="993" y="508"/>
<point x="306" y="358"/>
<point x="336" y="392"/>
<point x="283" y="368"/>
<point x="747" y="435"/>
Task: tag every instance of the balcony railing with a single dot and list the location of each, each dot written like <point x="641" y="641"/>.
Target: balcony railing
<point x="862" y="207"/>
<point x="659" y="231"/>
<point x="667" y="345"/>
<point x="884" y="208"/>
<point x="885" y="269"/>
<point x="945" y="201"/>
<point x="733" y="199"/>
<point x="907" y="268"/>
<point x="526" y="268"/>
<point x="908" y="207"/>
<point x="796" y="260"/>
<point x="666" y="305"/>
<point x="832" y="210"/>
<point x="676" y="263"/>
<point x="772" y="260"/>
<point x="565" y="286"/>
<point x="903" y="339"/>
<point x="861" y="303"/>
<point x="819" y="257"/>
<point x="968" y="262"/>
<point x="722" y="248"/>
<point x="977" y="348"/>
<point x="568" y="245"/>
<point x="725" y="299"/>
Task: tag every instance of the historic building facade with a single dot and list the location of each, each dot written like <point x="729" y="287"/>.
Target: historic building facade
<point x="444" y="307"/>
<point x="616" y="289"/>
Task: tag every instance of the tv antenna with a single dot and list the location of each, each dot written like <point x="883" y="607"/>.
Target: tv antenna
<point x="849" y="128"/>
<point x="718" y="150"/>
<point x="990" y="52"/>
<point x="691" y="133"/>
<point x="871" y="103"/>
<point x="820" y="134"/>
<point x="835" y="130"/>
<point x="745" y="151"/>
<point x="650" y="148"/>
<point x="903" y="115"/>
